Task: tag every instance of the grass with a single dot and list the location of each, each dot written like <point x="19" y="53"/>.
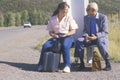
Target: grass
<point x="114" y="40"/>
<point x="41" y="42"/>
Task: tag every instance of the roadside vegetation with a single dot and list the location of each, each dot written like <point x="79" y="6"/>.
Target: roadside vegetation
<point x="114" y="39"/>
<point x="16" y="12"/>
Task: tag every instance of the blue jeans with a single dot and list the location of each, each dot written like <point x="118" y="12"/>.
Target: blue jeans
<point x="66" y="44"/>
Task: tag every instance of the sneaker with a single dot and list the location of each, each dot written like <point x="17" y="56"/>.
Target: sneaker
<point x="66" y="69"/>
<point x="40" y="68"/>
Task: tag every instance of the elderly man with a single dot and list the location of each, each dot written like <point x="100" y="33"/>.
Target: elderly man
<point x="95" y="33"/>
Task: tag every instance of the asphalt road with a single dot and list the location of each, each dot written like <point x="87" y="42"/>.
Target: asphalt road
<point x="18" y="59"/>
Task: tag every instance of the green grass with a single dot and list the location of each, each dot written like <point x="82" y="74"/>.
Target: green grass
<point x="114" y="38"/>
<point x="41" y="42"/>
<point x="114" y="41"/>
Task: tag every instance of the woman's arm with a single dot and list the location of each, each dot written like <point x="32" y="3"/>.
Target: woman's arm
<point x="71" y="32"/>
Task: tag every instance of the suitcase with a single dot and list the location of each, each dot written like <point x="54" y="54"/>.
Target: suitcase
<point x="51" y="61"/>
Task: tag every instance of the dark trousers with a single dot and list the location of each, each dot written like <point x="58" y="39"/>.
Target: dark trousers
<point x="102" y="44"/>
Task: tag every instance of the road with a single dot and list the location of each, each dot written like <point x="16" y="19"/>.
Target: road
<point x="18" y="59"/>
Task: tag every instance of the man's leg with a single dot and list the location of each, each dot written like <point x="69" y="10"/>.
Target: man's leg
<point x="90" y="50"/>
<point x="103" y="48"/>
<point x="79" y="51"/>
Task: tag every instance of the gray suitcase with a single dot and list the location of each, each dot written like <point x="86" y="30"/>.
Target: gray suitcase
<point x="51" y="61"/>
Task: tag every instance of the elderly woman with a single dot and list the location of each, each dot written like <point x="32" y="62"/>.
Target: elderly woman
<point x="95" y="33"/>
<point x="60" y="23"/>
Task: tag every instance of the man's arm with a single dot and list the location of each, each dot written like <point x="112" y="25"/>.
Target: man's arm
<point x="104" y="31"/>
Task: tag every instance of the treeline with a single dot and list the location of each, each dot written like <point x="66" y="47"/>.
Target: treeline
<point x="108" y="6"/>
<point x="36" y="17"/>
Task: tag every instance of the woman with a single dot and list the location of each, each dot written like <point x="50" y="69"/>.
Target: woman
<point x="60" y="24"/>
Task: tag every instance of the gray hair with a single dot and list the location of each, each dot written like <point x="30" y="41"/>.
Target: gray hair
<point x="93" y="5"/>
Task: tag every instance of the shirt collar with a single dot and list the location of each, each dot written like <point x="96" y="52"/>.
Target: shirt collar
<point x="62" y="18"/>
<point x="96" y="17"/>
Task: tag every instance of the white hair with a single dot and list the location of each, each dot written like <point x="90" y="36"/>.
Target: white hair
<point x="93" y="5"/>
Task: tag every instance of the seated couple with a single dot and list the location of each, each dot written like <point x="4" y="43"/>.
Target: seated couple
<point x="95" y="32"/>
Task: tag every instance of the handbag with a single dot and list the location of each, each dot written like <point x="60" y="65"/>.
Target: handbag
<point x="56" y="48"/>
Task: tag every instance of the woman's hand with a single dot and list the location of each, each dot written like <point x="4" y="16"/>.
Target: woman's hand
<point x="65" y="35"/>
<point x="53" y="35"/>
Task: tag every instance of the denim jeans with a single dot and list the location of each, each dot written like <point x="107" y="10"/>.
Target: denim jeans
<point x="66" y="44"/>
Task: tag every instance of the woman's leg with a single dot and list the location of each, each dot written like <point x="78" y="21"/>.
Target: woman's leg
<point x="66" y="45"/>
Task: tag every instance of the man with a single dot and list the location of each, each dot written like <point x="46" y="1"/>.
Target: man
<point x="95" y="33"/>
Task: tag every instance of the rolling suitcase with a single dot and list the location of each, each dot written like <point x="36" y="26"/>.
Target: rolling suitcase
<point x="51" y="61"/>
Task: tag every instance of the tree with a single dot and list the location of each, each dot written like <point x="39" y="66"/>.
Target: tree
<point x="24" y="16"/>
<point x="9" y="19"/>
<point x="33" y="16"/>
<point x="1" y="20"/>
<point x="18" y="19"/>
<point x="42" y="17"/>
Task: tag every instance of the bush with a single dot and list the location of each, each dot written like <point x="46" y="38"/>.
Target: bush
<point x="33" y="16"/>
<point x="1" y="20"/>
<point x="9" y="19"/>
<point x="18" y="19"/>
<point x="24" y="16"/>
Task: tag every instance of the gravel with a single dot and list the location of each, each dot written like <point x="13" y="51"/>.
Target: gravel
<point x="18" y="59"/>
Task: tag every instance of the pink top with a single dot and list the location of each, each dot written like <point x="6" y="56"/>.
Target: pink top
<point x="66" y="24"/>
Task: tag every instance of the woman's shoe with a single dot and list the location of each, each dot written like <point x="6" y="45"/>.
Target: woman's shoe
<point x="66" y="69"/>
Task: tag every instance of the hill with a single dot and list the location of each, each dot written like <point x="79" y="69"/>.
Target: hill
<point x="16" y="12"/>
<point x="20" y="5"/>
<point x="106" y="6"/>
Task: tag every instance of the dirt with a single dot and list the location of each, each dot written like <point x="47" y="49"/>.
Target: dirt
<point x="18" y="59"/>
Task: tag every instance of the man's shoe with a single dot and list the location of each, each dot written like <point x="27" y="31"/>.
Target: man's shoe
<point x="108" y="68"/>
<point x="82" y="66"/>
<point x="108" y="65"/>
<point x="66" y="69"/>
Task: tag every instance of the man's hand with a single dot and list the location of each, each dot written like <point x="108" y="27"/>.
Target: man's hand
<point x="87" y="40"/>
<point x="93" y="37"/>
